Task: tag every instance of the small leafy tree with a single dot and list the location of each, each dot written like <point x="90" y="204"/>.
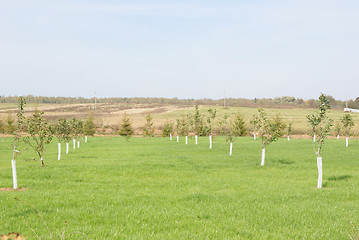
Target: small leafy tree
<point x="89" y="128"/>
<point x="148" y="129"/>
<point x="17" y="137"/>
<point x="255" y="125"/>
<point x="289" y="130"/>
<point x="167" y="129"/>
<point x="270" y="129"/>
<point x="347" y="123"/>
<point x="337" y="129"/>
<point x="210" y="120"/>
<point x="1" y="126"/>
<point x="198" y="123"/>
<point x="126" y="128"/>
<point x="61" y="129"/>
<point x="182" y="126"/>
<point x="320" y="124"/>
<point x="40" y="134"/>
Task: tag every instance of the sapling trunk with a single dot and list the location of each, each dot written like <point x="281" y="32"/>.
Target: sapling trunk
<point x="263" y="156"/>
<point x="177" y="138"/>
<point x="320" y="172"/>
<point x="254" y="137"/>
<point x="186" y="140"/>
<point x="74" y="142"/>
<point x="14" y="177"/>
<point x="85" y="139"/>
<point x="346" y="142"/>
<point x="230" y="149"/>
<point x="59" y="151"/>
<point x="78" y="143"/>
<point x="170" y="137"/>
<point x="67" y="148"/>
<point x="42" y="162"/>
<point x="196" y="138"/>
<point x="210" y="141"/>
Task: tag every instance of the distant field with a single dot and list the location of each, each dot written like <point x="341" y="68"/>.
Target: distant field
<point x="108" y="116"/>
<point x="157" y="189"/>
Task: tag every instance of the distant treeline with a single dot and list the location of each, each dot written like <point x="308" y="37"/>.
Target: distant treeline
<point x="282" y="102"/>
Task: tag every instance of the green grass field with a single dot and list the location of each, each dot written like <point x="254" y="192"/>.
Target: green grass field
<point x="158" y="189"/>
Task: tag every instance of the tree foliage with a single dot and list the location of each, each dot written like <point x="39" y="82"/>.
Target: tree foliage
<point x="167" y="129"/>
<point x="182" y="126"/>
<point x="289" y="129"/>
<point x="238" y="126"/>
<point x="270" y="129"/>
<point x="40" y="133"/>
<point x="20" y="122"/>
<point x="347" y="124"/>
<point x="320" y="124"/>
<point x="199" y="126"/>
<point x="62" y="130"/>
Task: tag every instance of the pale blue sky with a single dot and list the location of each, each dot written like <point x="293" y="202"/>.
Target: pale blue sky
<point x="184" y="49"/>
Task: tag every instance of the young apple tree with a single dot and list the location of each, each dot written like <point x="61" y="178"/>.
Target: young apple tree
<point x="347" y="123"/>
<point x="17" y="138"/>
<point x="255" y="127"/>
<point x="210" y="121"/>
<point x="320" y="124"/>
<point x="289" y="130"/>
<point x="40" y="134"/>
<point x="269" y="129"/>
<point x="337" y="129"/>
<point x="167" y="130"/>
<point x="61" y="130"/>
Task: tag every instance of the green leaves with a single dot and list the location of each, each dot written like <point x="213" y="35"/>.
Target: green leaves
<point x="347" y="123"/>
<point x="320" y="124"/>
<point x="126" y="128"/>
<point x="270" y="129"/>
<point x="148" y="129"/>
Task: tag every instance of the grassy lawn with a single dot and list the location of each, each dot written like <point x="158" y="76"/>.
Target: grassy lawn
<point x="157" y="189"/>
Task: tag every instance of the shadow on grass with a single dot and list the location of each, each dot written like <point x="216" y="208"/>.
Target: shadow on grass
<point x="339" y="178"/>
<point x="282" y="161"/>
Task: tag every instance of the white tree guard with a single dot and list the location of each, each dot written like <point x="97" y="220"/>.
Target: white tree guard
<point x="314" y="138"/>
<point x="254" y="137"/>
<point x="338" y="137"/>
<point x="288" y="138"/>
<point x="320" y="172"/>
<point x="177" y="138"/>
<point x="263" y="156"/>
<point x="346" y="142"/>
<point x="74" y="142"/>
<point x="67" y="148"/>
<point x="42" y="160"/>
<point x="85" y="139"/>
<point x="14" y="177"/>
<point x="78" y="144"/>
<point x="59" y="151"/>
<point x="230" y="149"/>
<point x="210" y="142"/>
<point x="186" y="140"/>
<point x="170" y="137"/>
<point x="196" y="138"/>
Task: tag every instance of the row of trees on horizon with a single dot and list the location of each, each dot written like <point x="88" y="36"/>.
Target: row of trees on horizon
<point x="285" y="101"/>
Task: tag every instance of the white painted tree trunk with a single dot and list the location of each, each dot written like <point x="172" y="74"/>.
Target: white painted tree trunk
<point x="210" y="142"/>
<point x="230" y="149"/>
<point x="42" y="161"/>
<point x="288" y="138"/>
<point x="177" y="138"/>
<point x="59" y="151"/>
<point x="170" y="137"/>
<point x="74" y="142"/>
<point x="254" y="137"/>
<point x="186" y="140"/>
<point x="67" y="148"/>
<point x="320" y="172"/>
<point x="14" y="177"/>
<point x="85" y="139"/>
<point x="196" y="138"/>
<point x="263" y="156"/>
<point x="346" y="142"/>
<point x="78" y="144"/>
<point x="338" y="137"/>
<point x="314" y="138"/>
